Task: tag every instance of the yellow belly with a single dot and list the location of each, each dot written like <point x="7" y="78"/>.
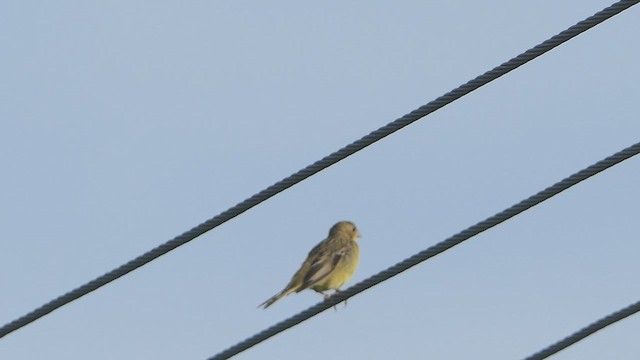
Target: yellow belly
<point x="341" y="274"/>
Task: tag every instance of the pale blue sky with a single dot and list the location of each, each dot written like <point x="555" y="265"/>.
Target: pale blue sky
<point x="124" y="124"/>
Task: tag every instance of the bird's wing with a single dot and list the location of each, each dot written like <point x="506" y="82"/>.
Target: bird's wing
<point x="322" y="266"/>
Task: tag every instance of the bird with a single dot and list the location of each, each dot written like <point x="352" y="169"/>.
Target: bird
<point x="329" y="265"/>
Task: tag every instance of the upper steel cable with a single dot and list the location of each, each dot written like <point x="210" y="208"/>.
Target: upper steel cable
<point x="431" y="251"/>
<point x="318" y="166"/>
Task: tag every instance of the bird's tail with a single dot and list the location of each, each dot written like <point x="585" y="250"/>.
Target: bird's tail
<point x="275" y="298"/>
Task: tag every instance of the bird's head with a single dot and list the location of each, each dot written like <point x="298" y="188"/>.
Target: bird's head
<point x="345" y="228"/>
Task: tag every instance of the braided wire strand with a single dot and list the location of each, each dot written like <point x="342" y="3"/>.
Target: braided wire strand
<point x="432" y="251"/>
<point x="314" y="168"/>
<point x="586" y="331"/>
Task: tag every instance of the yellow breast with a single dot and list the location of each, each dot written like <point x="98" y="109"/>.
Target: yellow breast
<point x="343" y="271"/>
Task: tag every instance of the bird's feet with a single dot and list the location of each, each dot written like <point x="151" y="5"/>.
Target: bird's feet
<point x="337" y="292"/>
<point x="328" y="296"/>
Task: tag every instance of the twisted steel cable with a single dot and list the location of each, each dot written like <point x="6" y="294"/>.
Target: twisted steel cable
<point x="586" y="331"/>
<point x="319" y="165"/>
<point x="432" y="251"/>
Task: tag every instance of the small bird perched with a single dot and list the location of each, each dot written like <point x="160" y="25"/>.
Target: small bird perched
<point x="329" y="264"/>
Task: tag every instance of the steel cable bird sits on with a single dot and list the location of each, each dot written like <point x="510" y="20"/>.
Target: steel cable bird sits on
<point x="329" y="265"/>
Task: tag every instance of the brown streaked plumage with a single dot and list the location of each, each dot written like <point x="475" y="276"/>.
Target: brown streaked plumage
<point x="329" y="265"/>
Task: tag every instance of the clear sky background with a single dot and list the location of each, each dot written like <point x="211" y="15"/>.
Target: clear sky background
<point x="123" y="124"/>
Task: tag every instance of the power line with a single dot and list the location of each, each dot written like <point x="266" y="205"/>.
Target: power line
<point x="319" y="165"/>
<point x="432" y="251"/>
<point x="584" y="332"/>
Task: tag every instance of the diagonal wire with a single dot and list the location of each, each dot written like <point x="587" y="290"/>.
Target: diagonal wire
<point x="432" y="251"/>
<point x="319" y="165"/>
<point x="584" y="332"/>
